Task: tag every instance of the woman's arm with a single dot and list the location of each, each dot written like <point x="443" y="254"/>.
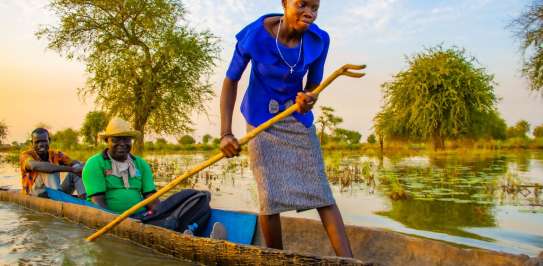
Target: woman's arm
<point x="228" y="100"/>
<point x="229" y="144"/>
<point x="306" y="99"/>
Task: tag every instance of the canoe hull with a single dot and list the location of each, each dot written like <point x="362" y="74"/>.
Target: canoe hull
<point x="196" y="249"/>
<point x="390" y="248"/>
<point x="301" y="238"/>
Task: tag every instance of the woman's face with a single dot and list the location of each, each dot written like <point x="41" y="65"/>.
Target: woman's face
<point x="299" y="14"/>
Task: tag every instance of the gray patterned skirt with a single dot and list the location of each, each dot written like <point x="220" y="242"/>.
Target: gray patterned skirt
<point x="287" y="163"/>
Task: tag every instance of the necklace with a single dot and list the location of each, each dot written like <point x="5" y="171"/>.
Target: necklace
<point x="281" y="54"/>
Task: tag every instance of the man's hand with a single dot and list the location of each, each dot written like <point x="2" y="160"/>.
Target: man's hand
<point x="99" y="200"/>
<point x="77" y="169"/>
<point x="151" y="206"/>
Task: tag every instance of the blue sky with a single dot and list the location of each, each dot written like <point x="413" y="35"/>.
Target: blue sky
<point x="379" y="33"/>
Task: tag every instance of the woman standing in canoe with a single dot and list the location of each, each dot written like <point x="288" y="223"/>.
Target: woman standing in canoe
<point x="285" y="159"/>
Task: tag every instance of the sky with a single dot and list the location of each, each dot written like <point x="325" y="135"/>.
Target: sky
<point x="40" y="86"/>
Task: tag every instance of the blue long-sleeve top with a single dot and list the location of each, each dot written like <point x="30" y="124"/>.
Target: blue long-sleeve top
<point x="271" y="80"/>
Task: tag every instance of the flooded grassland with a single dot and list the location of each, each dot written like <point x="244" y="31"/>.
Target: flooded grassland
<point x="489" y="200"/>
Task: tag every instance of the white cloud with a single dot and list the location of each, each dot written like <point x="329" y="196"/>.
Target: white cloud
<point x="375" y="14"/>
<point x="223" y="18"/>
<point x="392" y="20"/>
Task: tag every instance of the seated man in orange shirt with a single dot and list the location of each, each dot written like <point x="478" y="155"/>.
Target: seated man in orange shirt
<point x="41" y="167"/>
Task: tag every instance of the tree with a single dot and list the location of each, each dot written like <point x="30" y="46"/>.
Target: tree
<point x="437" y="97"/>
<point x="538" y="131"/>
<point x="519" y="130"/>
<point x="371" y="139"/>
<point x="347" y="136"/>
<point x="3" y="131"/>
<point x="206" y="138"/>
<point x="327" y="121"/>
<point x="497" y="128"/>
<point x="66" y="139"/>
<point x="528" y="28"/>
<point x="94" y="123"/>
<point x="161" y="142"/>
<point x="216" y="141"/>
<point x="144" y="63"/>
<point x="489" y="126"/>
<point x="186" y="140"/>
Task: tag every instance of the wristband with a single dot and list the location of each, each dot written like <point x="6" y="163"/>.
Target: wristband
<point x="226" y="134"/>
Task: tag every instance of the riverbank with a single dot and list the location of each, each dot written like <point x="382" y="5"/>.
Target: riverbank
<point x="391" y="148"/>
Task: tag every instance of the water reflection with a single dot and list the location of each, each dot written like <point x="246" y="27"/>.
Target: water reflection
<point x="442" y="216"/>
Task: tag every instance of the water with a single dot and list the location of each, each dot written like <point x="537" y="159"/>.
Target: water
<point x="469" y="199"/>
<point x="32" y="238"/>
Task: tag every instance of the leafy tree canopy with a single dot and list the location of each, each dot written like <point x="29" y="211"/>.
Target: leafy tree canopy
<point x="528" y="28"/>
<point x="371" y="139"/>
<point x="144" y="63"/>
<point x="538" y="131"/>
<point x="65" y="139"/>
<point x="206" y="138"/>
<point x="327" y="121"/>
<point x="3" y="131"/>
<point x="347" y="136"/>
<point x="186" y="140"/>
<point x="488" y="125"/>
<point x="439" y="96"/>
<point x="94" y="123"/>
<point x="519" y="130"/>
<point x="161" y="141"/>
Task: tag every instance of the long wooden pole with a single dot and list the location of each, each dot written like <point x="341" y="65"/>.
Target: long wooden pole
<point x="344" y="70"/>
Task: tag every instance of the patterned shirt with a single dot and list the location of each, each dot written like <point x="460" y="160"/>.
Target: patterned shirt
<point x="29" y="177"/>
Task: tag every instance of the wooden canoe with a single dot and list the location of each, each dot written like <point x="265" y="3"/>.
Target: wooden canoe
<point x="305" y="242"/>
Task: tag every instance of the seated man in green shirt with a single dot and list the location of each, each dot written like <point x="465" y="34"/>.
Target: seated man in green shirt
<point x="114" y="178"/>
<point x="117" y="180"/>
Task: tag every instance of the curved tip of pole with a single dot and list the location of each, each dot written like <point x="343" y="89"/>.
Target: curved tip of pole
<point x="346" y="70"/>
<point x="354" y="67"/>
<point x="354" y="74"/>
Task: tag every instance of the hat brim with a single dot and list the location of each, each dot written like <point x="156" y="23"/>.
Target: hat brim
<point x="133" y="134"/>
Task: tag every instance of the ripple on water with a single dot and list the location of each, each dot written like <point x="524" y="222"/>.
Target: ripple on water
<point x="31" y="238"/>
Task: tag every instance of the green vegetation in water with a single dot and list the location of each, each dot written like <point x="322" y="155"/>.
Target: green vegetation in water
<point x="485" y="180"/>
<point x="395" y="190"/>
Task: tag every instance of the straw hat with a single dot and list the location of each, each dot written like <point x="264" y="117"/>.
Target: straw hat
<point x="118" y="127"/>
